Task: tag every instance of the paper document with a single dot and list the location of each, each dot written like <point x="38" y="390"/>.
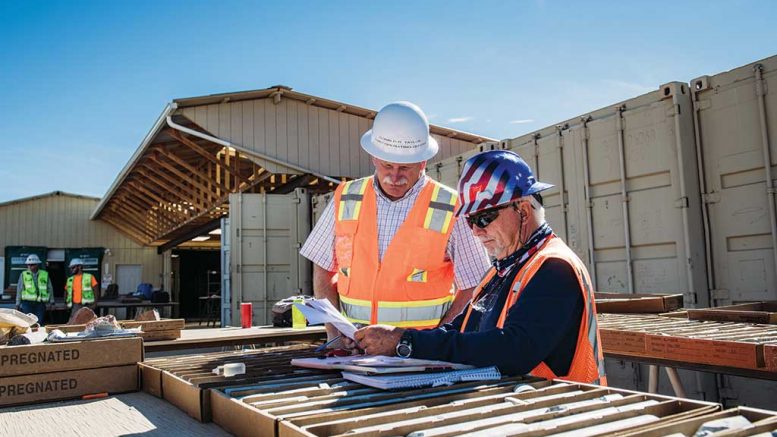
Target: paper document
<point x="377" y="364"/>
<point x="417" y="380"/>
<point x="319" y="311"/>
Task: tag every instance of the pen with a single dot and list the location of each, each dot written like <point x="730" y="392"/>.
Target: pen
<point x="324" y="346"/>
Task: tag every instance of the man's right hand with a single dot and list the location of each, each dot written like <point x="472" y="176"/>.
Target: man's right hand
<point x="342" y="343"/>
<point x="331" y="332"/>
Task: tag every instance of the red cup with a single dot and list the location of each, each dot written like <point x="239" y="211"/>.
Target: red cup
<point x="246" y="314"/>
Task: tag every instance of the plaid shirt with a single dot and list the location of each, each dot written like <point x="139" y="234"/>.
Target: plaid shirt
<point x="469" y="257"/>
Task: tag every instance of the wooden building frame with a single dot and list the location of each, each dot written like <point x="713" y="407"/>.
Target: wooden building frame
<point x="176" y="186"/>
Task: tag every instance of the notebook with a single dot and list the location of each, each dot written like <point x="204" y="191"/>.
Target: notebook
<point x="377" y="364"/>
<point x="418" y="380"/>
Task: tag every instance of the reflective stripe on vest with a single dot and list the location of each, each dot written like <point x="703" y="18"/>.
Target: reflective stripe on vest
<point x="87" y="292"/>
<point x="440" y="212"/>
<point x="351" y="199"/>
<point x="588" y="360"/>
<point x="32" y="294"/>
<point x="593" y="326"/>
<point x="416" y="313"/>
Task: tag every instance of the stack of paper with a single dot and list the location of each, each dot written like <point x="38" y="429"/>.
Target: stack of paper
<point x="377" y="364"/>
<point x="417" y="380"/>
<point x="319" y="311"/>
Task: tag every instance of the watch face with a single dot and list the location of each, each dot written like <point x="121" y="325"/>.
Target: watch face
<point x="403" y="350"/>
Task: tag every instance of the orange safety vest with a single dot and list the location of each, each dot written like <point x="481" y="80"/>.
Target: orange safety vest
<point x="412" y="285"/>
<point x="588" y="361"/>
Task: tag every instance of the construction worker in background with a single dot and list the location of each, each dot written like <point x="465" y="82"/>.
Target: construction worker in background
<point x="534" y="310"/>
<point x="34" y="291"/>
<point x="81" y="288"/>
<point x="388" y="248"/>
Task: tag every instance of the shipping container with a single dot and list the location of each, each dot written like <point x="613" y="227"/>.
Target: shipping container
<point x="226" y="277"/>
<point x="319" y="203"/>
<point x="736" y="130"/>
<point x="736" y="121"/>
<point x="266" y="232"/>
<point x="448" y="170"/>
<point x="625" y="196"/>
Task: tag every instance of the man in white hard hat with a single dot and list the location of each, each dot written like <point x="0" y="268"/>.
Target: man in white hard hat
<point x="34" y="291"/>
<point x="388" y="249"/>
<point x="81" y="288"/>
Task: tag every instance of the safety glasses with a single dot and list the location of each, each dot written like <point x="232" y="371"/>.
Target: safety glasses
<point x="483" y="219"/>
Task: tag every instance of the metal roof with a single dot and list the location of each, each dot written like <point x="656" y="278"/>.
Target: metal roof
<point x="44" y="195"/>
<point x="272" y="140"/>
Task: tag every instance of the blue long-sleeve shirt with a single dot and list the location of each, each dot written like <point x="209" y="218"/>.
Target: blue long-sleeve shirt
<point x="542" y="325"/>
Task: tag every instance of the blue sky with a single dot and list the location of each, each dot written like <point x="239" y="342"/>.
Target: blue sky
<point x="81" y="82"/>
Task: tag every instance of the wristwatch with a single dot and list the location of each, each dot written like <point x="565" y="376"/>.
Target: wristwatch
<point x="405" y="345"/>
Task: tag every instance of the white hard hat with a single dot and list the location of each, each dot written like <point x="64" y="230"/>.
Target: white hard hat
<point x="400" y="134"/>
<point x="32" y="259"/>
<point x="75" y="262"/>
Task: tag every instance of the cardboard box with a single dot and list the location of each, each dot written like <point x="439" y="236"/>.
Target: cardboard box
<point x="191" y="392"/>
<point x="191" y="399"/>
<point x="145" y="326"/>
<point x="288" y="408"/>
<point x="58" y="357"/>
<point x="154" y="325"/>
<point x="43" y="387"/>
<point x="186" y="381"/>
<point x="758" y="312"/>
<point x="628" y="342"/>
<point x="637" y="303"/>
<point x="712" y="352"/>
<point x="150" y="379"/>
<point x="171" y="334"/>
<point x="239" y="418"/>
<point x="235" y="409"/>
<point x="690" y="426"/>
<point x="770" y="357"/>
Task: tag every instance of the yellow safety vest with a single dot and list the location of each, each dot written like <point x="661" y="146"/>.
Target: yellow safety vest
<point x="30" y="292"/>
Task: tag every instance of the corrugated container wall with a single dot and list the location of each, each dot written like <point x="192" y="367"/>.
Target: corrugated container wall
<point x="630" y="163"/>
<point x="736" y="130"/>
<point x="61" y="221"/>
<point x="626" y="192"/>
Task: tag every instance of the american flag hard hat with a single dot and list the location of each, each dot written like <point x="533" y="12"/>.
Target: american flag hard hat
<point x="494" y="178"/>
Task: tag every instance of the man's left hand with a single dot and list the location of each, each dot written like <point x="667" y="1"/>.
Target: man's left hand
<point x="379" y="339"/>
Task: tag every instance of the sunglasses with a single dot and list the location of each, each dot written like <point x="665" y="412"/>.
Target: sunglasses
<point x="483" y="219"/>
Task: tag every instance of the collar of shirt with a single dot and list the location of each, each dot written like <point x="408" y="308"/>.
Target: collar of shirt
<point x="538" y="237"/>
<point x="413" y="191"/>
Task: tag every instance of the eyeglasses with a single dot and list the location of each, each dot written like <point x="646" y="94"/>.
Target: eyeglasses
<point x="483" y="219"/>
